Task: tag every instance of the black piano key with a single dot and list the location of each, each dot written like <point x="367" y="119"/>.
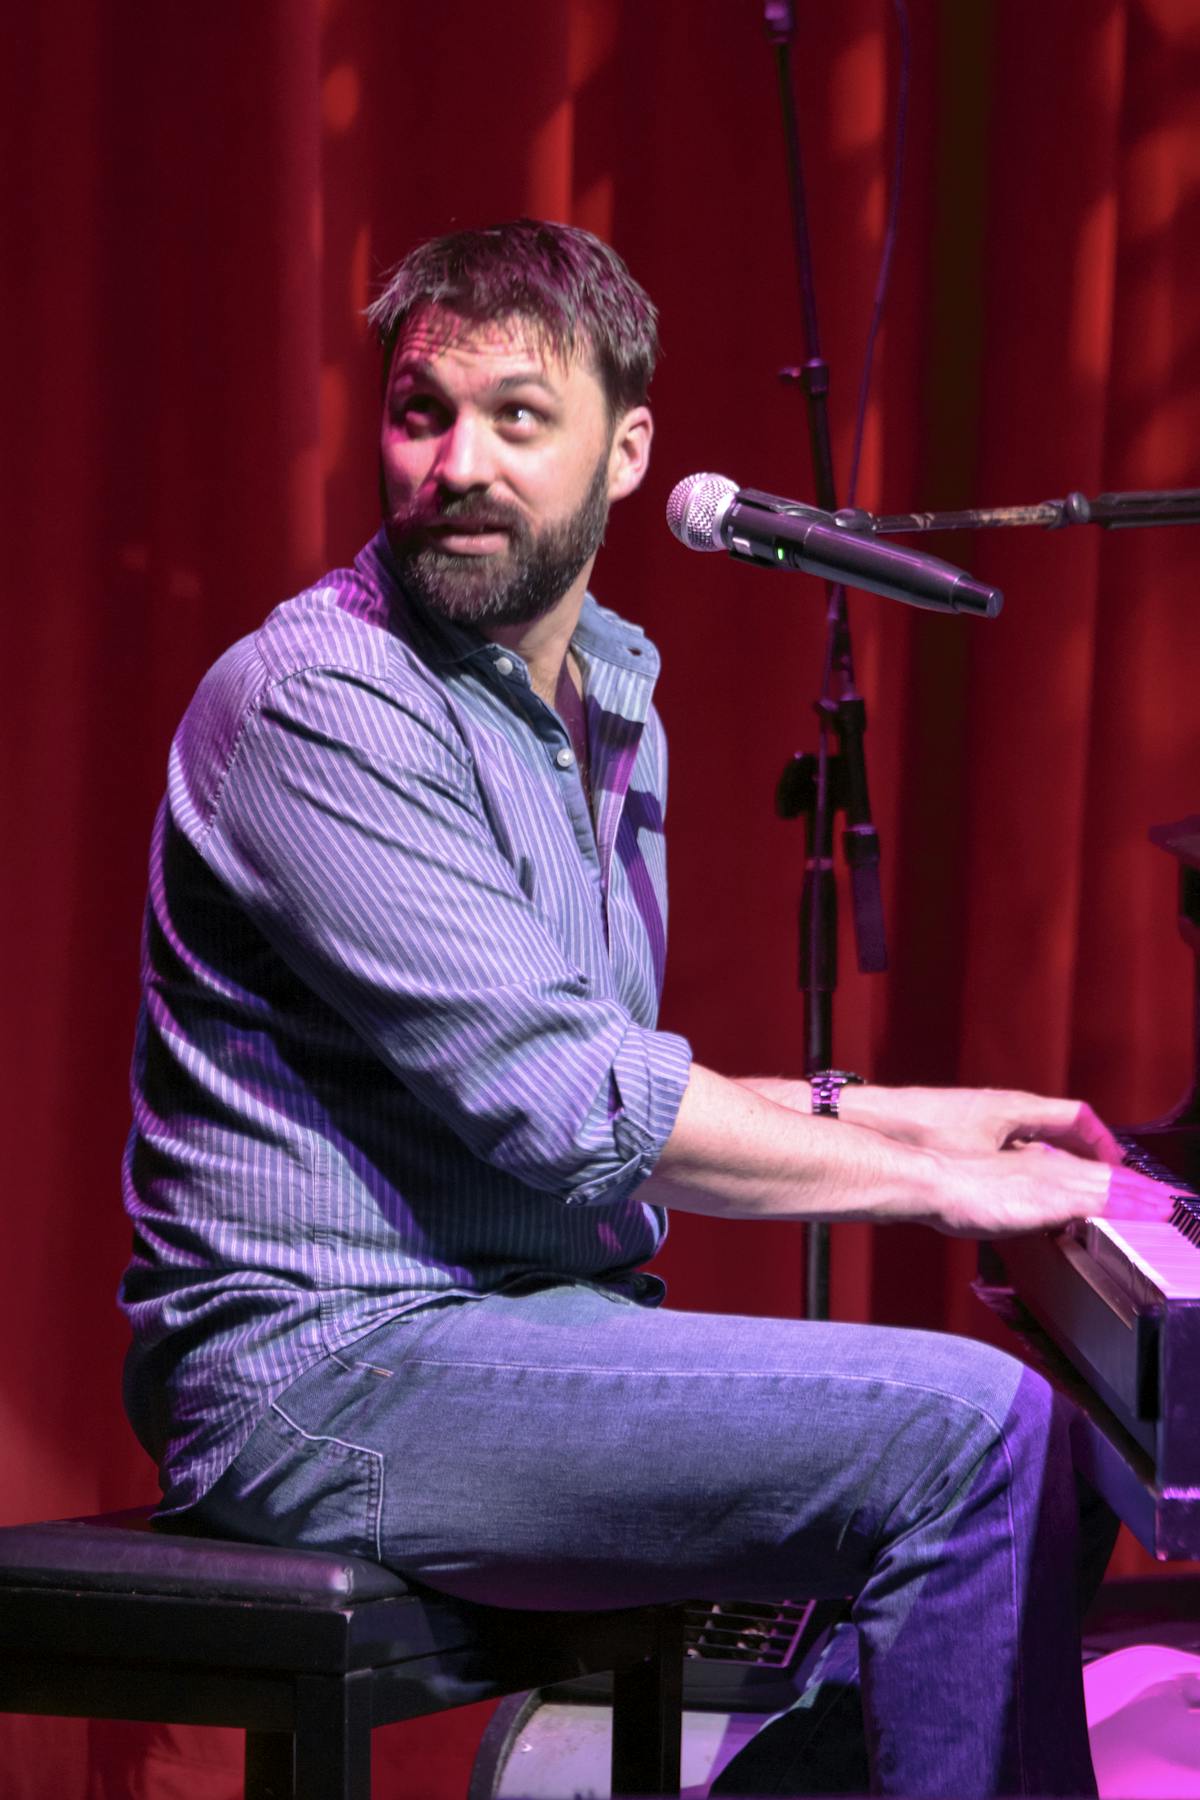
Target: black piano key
<point x="1185" y="1212"/>
<point x="1186" y="1216"/>
<point x="1138" y="1158"/>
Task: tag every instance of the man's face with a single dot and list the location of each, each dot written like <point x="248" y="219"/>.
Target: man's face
<point x="497" y="468"/>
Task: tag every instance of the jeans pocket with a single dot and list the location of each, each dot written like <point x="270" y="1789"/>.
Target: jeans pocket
<point x="292" y="1483"/>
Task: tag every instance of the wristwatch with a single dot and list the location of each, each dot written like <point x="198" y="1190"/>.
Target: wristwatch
<point x="827" y="1085"/>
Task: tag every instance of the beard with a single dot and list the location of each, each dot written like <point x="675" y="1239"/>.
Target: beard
<point x="510" y="587"/>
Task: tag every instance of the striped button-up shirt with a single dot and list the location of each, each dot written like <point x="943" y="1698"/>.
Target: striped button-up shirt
<point x="401" y="982"/>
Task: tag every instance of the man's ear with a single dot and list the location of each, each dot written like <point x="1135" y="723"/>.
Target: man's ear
<point x="629" y="457"/>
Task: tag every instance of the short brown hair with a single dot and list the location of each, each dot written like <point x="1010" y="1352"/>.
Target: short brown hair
<point x="572" y="286"/>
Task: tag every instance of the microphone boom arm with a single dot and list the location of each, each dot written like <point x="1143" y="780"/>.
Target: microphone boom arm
<point x="1114" y="512"/>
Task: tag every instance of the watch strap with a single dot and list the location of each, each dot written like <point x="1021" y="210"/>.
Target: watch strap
<point x="827" y="1085"/>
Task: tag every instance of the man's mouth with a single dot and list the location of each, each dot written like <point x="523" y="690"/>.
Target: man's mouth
<point x="466" y="537"/>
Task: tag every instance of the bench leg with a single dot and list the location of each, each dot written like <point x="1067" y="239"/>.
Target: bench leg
<point x="333" y="1738"/>
<point x="647" y="1717"/>
<point x="268" y="1765"/>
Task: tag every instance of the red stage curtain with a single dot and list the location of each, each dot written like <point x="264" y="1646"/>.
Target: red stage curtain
<point x="197" y="205"/>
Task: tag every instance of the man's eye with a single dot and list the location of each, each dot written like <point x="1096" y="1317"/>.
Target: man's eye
<point x="524" y="417"/>
<point x="417" y="414"/>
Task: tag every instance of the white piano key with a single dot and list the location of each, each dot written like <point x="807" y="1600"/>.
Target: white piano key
<point x="1155" y="1248"/>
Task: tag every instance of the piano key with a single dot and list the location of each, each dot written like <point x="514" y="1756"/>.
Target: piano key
<point x="1166" y="1262"/>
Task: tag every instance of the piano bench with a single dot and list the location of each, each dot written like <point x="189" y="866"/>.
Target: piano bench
<point x="304" y="1650"/>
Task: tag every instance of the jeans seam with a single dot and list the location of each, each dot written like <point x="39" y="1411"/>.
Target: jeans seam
<point x="374" y="1457"/>
<point x="654" y="1374"/>
<point x="1019" y="1668"/>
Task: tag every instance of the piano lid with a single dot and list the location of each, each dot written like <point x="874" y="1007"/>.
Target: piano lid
<point x="1182" y="839"/>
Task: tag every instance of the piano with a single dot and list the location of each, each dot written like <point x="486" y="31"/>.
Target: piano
<point x="1110" y="1310"/>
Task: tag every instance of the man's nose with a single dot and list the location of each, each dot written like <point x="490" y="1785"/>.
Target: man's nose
<point x="465" y="458"/>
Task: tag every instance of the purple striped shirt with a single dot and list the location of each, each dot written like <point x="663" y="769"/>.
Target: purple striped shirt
<point x="397" y="1039"/>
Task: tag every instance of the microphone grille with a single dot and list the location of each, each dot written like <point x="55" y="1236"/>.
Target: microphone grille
<point x="696" y="506"/>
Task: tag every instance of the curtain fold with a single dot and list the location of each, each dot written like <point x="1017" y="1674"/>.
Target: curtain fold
<point x="199" y="206"/>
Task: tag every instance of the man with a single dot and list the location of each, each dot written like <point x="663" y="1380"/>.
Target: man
<point x="405" y="1127"/>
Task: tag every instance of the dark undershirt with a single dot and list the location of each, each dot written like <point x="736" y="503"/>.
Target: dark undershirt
<point x="569" y="706"/>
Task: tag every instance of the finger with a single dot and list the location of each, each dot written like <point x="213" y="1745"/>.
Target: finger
<point x="1095" y="1138"/>
<point x="1071" y="1125"/>
<point x="1114" y="1192"/>
<point x="1077" y="1187"/>
<point x="1133" y="1196"/>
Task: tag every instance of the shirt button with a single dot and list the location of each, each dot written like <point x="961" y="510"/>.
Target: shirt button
<point x="504" y="665"/>
<point x="564" y="758"/>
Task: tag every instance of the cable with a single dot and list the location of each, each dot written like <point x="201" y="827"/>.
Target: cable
<point x="903" y="85"/>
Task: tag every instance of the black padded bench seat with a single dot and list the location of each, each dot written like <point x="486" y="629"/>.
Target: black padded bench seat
<point x="304" y="1650"/>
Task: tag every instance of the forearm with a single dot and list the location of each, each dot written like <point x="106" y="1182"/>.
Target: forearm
<point x="736" y="1152"/>
<point x="957" y="1121"/>
<point x="895" y="1112"/>
<point x="867" y="1105"/>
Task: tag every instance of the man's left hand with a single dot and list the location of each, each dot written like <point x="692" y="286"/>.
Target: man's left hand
<point x="961" y="1121"/>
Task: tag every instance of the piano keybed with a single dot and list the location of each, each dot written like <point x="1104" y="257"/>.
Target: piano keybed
<point x="1120" y="1299"/>
<point x="1158" y="1259"/>
<point x="1153" y="1256"/>
<point x="1118" y="1303"/>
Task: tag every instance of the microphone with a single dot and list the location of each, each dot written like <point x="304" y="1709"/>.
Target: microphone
<point x="710" y="512"/>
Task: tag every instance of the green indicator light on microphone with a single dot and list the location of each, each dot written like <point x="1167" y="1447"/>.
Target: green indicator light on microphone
<point x="779" y="553"/>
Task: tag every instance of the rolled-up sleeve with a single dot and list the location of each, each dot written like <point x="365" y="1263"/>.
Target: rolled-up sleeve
<point x="350" y="827"/>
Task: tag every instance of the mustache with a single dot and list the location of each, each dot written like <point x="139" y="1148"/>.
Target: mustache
<point x="470" y="511"/>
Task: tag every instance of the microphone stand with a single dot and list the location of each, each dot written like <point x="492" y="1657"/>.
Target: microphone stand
<point x="834" y="780"/>
<point x="817" y="787"/>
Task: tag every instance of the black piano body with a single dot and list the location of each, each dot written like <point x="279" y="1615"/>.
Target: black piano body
<point x="1111" y="1311"/>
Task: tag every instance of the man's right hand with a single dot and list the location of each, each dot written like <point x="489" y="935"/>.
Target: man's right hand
<point x="1034" y="1187"/>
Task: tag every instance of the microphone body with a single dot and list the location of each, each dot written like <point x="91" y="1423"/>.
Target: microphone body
<point x="710" y="512"/>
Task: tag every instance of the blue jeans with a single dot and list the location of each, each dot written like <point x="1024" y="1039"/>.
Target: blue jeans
<point x="562" y="1447"/>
